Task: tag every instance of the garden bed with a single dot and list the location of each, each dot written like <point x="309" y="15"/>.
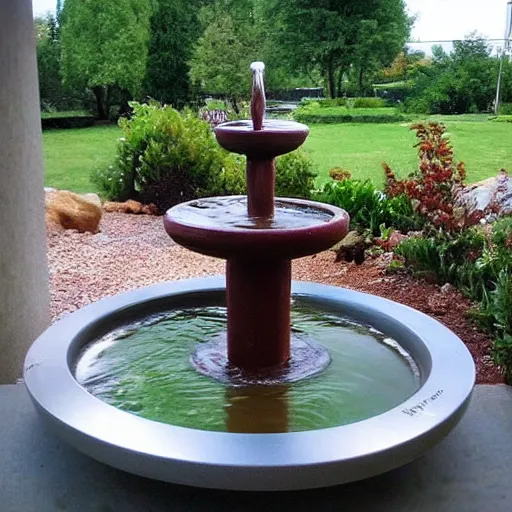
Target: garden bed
<point x="134" y="251"/>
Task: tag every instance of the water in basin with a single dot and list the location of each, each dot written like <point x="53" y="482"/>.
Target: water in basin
<point x="144" y="368"/>
<point x="231" y="212"/>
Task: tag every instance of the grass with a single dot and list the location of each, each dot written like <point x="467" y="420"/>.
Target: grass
<point x="71" y="155"/>
<point x="67" y="113"/>
<point x="361" y="148"/>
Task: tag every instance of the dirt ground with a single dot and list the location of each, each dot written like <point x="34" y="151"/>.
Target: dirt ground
<point x="132" y="251"/>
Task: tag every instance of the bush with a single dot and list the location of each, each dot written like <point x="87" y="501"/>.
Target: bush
<point x="443" y="257"/>
<point x="369" y="103"/>
<point x="434" y="187"/>
<point x="506" y="109"/>
<point x="295" y="175"/>
<point x="314" y="118"/>
<point x="368" y="207"/>
<point x="167" y="158"/>
<point x="502" y="119"/>
<point x="480" y="266"/>
<point x="64" y="120"/>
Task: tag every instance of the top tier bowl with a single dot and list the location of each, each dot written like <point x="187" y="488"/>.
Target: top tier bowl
<point x="276" y="138"/>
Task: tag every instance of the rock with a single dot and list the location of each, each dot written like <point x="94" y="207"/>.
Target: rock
<point x="130" y="206"/>
<point x="491" y="198"/>
<point x="93" y="198"/>
<point x="351" y="248"/>
<point x="67" y="210"/>
<point x="394" y="240"/>
<point x="447" y="288"/>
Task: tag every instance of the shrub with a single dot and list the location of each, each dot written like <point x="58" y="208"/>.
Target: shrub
<point x="369" y="103"/>
<point x="339" y="174"/>
<point x="506" y="109"/>
<point x="368" y="207"/>
<point x="295" y="175"/>
<point x="481" y="266"/>
<point x="167" y="158"/>
<point x="64" y="120"/>
<point x="318" y="118"/>
<point x="434" y="187"/>
<point x="444" y="257"/>
<point x="502" y="119"/>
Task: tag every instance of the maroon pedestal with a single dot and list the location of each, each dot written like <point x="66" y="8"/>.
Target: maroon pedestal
<point x="258" y="303"/>
<point x="261" y="178"/>
<point x="259" y="259"/>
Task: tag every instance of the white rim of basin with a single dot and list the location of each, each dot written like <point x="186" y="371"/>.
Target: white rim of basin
<point x="296" y="460"/>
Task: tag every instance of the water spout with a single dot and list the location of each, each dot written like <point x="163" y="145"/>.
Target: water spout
<point x="258" y="102"/>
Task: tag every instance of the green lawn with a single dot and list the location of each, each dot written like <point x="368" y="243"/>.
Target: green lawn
<point x="485" y="147"/>
<point x="71" y="155"/>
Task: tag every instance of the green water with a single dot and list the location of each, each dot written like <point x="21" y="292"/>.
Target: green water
<point x="144" y="369"/>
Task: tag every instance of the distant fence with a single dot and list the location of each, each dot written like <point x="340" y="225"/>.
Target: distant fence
<point x="295" y="95"/>
<point x="214" y="117"/>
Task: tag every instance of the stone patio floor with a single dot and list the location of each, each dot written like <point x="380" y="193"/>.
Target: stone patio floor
<point x="471" y="470"/>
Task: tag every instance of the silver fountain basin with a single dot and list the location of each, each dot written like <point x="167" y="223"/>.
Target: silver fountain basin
<point x="257" y="462"/>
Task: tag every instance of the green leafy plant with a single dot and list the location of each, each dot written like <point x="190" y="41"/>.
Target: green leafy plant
<point x="368" y="207"/>
<point x="167" y="157"/>
<point x="369" y="103"/>
<point x="480" y="265"/>
<point x="433" y="189"/>
<point x="295" y="175"/>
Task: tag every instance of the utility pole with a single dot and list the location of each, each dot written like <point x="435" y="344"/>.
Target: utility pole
<point x="504" y="51"/>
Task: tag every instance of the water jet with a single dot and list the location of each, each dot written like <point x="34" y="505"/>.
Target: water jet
<point x="252" y="382"/>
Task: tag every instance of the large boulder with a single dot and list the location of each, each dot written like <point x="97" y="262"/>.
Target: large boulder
<point x="67" y="210"/>
<point x="490" y="198"/>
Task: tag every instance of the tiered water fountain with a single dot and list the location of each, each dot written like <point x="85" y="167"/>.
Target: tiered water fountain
<point x="252" y="382"/>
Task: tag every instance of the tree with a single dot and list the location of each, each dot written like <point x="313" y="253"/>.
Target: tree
<point x="463" y="81"/>
<point x="221" y="58"/>
<point x="335" y="36"/>
<point x="174" y="28"/>
<point x="48" y="61"/>
<point x="104" y="47"/>
<point x="403" y="66"/>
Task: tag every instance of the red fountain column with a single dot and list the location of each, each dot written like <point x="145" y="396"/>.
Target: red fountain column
<point x="258" y="292"/>
<point x="261" y="177"/>
<point x="258" y="303"/>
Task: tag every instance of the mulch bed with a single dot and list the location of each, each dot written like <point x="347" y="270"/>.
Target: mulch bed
<point x="134" y="251"/>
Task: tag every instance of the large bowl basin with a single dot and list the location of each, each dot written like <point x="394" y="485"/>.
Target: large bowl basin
<point x="298" y="460"/>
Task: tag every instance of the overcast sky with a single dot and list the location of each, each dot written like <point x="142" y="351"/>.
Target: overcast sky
<point x="437" y="19"/>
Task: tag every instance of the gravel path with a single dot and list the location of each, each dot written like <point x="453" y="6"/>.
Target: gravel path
<point x="134" y="251"/>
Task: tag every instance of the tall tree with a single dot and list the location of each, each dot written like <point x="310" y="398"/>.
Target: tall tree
<point x="222" y="55"/>
<point x="335" y="35"/>
<point x="48" y="62"/>
<point x="175" y="28"/>
<point x="104" y="46"/>
<point x="463" y="81"/>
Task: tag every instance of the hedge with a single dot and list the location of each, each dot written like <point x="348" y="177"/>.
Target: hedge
<point x="348" y="118"/>
<point x="61" y="122"/>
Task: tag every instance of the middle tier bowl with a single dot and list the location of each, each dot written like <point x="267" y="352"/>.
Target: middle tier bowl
<point x="220" y="227"/>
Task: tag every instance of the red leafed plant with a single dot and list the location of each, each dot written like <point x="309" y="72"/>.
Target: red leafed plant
<point x="434" y="187"/>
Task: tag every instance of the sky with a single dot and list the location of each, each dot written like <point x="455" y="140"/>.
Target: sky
<point x="436" y="19"/>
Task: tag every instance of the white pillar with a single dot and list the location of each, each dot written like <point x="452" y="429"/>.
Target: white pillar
<point x="23" y="267"/>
